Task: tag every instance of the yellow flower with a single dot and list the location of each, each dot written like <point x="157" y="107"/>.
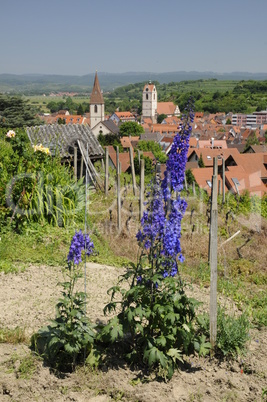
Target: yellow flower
<point x="41" y="148"/>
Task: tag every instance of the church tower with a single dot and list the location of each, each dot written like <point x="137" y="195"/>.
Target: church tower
<point x="97" y="106"/>
<point x="149" y="103"/>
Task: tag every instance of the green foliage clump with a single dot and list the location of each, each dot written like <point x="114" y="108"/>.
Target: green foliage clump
<point x="189" y="176"/>
<point x="131" y="128"/>
<point x="148" y="164"/>
<point x="157" y="321"/>
<point x="201" y="163"/>
<point x="16" y="112"/>
<point x="155" y="148"/>
<point x="35" y="186"/>
<point x="110" y="139"/>
<point x="232" y="333"/>
<point x="70" y="335"/>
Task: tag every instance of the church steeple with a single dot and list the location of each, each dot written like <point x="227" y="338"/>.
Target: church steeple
<point x="96" y="95"/>
<point x="97" y="106"/>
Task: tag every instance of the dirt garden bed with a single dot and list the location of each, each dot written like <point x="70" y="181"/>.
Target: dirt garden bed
<point x="27" y="300"/>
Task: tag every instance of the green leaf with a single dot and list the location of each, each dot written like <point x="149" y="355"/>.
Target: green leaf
<point x="186" y="327"/>
<point x="170" y="317"/>
<point x="161" y="341"/>
<point x="175" y="354"/>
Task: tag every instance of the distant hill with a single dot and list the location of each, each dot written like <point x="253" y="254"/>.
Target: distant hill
<point x="40" y="83"/>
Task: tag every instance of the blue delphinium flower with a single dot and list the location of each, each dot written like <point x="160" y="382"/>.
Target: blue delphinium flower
<point x="79" y="243"/>
<point x="161" y="222"/>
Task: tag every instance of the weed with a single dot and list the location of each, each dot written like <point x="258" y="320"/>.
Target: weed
<point x="232" y="333"/>
<point x="27" y="367"/>
<point x="195" y="397"/>
<point x="13" y="336"/>
<point x="23" y="366"/>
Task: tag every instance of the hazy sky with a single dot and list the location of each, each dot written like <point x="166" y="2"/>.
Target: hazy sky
<point x="78" y="37"/>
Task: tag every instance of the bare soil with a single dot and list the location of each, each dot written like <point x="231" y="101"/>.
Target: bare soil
<point x="27" y="300"/>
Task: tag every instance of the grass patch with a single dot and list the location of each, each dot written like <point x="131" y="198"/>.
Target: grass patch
<point x="23" y="366"/>
<point x="14" y="336"/>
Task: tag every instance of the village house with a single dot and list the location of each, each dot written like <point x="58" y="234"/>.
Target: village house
<point x="122" y="117"/>
<point x="106" y="127"/>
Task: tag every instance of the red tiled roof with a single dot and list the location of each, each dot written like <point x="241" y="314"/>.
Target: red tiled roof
<point x="166" y="108"/>
<point x="164" y="128"/>
<point x="124" y="158"/>
<point x="249" y="170"/>
<point x="209" y="154"/>
<point x="172" y="120"/>
<point x="212" y="144"/>
<point x="126" y="141"/>
<point x="149" y="86"/>
<point x="124" y="115"/>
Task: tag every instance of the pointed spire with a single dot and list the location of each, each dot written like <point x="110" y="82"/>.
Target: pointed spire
<point x="96" y="95"/>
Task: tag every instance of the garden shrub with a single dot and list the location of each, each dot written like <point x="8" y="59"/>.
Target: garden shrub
<point x="34" y="185"/>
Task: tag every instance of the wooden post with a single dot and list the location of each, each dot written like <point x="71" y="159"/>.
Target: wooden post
<point x="118" y="191"/>
<point x="106" y="171"/>
<point x="132" y="169"/>
<point x="142" y="187"/>
<point x="223" y="180"/>
<point x="194" y="188"/>
<point x="213" y="244"/>
<point x="185" y="182"/>
<point x="75" y="162"/>
<point x="139" y="156"/>
<point x="81" y="168"/>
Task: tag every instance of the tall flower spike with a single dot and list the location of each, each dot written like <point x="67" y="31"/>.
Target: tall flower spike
<point x="161" y="222"/>
<point x="79" y="243"/>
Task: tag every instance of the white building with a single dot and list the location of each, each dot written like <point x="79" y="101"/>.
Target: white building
<point x="149" y="103"/>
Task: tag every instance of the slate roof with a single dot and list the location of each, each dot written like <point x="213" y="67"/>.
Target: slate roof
<point x="62" y="137"/>
<point x="151" y="137"/>
<point x="111" y="126"/>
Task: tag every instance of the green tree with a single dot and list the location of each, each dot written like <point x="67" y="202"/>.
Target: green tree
<point x="148" y="164"/>
<point x="252" y="140"/>
<point x="131" y="128"/>
<point x="201" y="163"/>
<point x="154" y="147"/>
<point x="110" y="139"/>
<point x="16" y="112"/>
<point x="80" y="110"/>
<point x="161" y="117"/>
<point x="189" y="176"/>
<point x="61" y="121"/>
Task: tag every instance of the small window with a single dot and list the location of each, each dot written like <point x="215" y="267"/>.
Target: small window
<point x="95" y="108"/>
<point x="147" y="89"/>
<point x="209" y="183"/>
<point x="146" y="96"/>
<point x="235" y="181"/>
